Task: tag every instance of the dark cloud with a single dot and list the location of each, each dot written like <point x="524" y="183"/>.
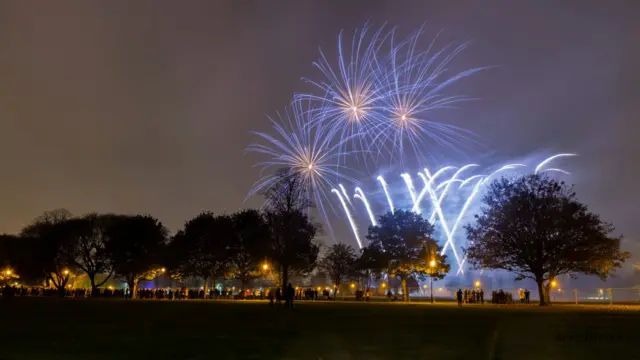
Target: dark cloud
<point x="147" y="106"/>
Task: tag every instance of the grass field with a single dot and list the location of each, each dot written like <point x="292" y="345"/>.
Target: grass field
<point x="40" y="328"/>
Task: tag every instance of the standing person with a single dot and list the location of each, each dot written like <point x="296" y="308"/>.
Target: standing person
<point x="278" y="297"/>
<point x="270" y="297"/>
<point x="290" y="293"/>
<point x="481" y="296"/>
<point x="459" y="296"/>
<point x="527" y="294"/>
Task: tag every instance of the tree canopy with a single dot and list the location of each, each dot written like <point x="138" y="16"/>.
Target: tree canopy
<point x="201" y="248"/>
<point x="248" y="250"/>
<point x="534" y="227"/>
<point x="291" y="233"/>
<point x="135" y="247"/>
<point x="339" y="262"/>
<point x="401" y="245"/>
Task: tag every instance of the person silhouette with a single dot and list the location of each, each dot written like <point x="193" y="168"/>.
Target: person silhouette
<point x="289" y="294"/>
<point x="459" y="296"/>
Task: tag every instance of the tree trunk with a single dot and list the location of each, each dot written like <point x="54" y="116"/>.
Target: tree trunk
<point x="94" y="288"/>
<point x="133" y="286"/>
<point x="206" y="286"/>
<point x="542" y="293"/>
<point x="547" y="292"/>
<point x="135" y="289"/>
<point x="405" y="295"/>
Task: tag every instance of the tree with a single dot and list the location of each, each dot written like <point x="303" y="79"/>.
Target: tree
<point x="88" y="248"/>
<point x="48" y="239"/>
<point x="339" y="263"/>
<point x="291" y="233"/>
<point x="401" y="245"/>
<point x="201" y="249"/>
<point x="135" y="248"/>
<point x="535" y="227"/>
<point x="249" y="246"/>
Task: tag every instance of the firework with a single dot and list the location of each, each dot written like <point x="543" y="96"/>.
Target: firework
<point x="306" y="150"/>
<point x="384" y="88"/>
<point x="450" y="200"/>
<point x="413" y="81"/>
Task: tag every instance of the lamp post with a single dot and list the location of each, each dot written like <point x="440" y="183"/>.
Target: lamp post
<point x="432" y="265"/>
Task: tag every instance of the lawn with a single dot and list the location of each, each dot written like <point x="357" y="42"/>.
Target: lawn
<point x="41" y="328"/>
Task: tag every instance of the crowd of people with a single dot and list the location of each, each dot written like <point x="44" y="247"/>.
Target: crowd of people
<point x="274" y="295"/>
<point x="501" y="297"/>
<point x="470" y="296"/>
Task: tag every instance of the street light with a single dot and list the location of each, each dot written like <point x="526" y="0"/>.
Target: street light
<point x="554" y="283"/>
<point x="8" y="272"/>
<point x="66" y="272"/>
<point x="163" y="270"/>
<point x="477" y="283"/>
<point x="432" y="265"/>
<point x="265" y="267"/>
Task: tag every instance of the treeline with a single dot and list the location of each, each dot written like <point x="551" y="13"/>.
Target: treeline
<point x="57" y="245"/>
<point x="532" y="226"/>
<point x="138" y="247"/>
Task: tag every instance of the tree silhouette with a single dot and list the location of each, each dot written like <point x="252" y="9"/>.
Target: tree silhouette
<point x="401" y="246"/>
<point x="201" y="248"/>
<point x="88" y="237"/>
<point x="249" y="247"/>
<point x="51" y="244"/>
<point x="291" y="237"/>
<point x="339" y="263"/>
<point x="135" y="247"/>
<point x="535" y="227"/>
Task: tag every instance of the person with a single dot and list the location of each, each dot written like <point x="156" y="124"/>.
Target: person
<point x="278" y="297"/>
<point x="270" y="297"/>
<point x="527" y="294"/>
<point x="481" y="296"/>
<point x="459" y="296"/>
<point x="289" y="294"/>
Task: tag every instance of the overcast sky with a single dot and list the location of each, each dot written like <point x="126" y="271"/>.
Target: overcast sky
<point x="147" y="106"/>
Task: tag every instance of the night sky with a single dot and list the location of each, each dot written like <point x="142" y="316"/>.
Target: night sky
<point x="148" y="106"/>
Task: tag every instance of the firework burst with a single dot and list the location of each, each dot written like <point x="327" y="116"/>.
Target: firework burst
<point x="413" y="81"/>
<point x="384" y="88"/>
<point x="351" y="94"/>
<point x="304" y="147"/>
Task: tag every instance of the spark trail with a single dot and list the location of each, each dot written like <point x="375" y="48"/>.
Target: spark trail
<point x="449" y="198"/>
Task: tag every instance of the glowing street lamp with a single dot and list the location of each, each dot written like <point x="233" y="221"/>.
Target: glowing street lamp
<point x="162" y="270"/>
<point x="554" y="283"/>
<point x="265" y="267"/>
<point x="353" y="286"/>
<point x="432" y="265"/>
<point x="477" y="283"/>
<point x="8" y="272"/>
<point x="65" y="271"/>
